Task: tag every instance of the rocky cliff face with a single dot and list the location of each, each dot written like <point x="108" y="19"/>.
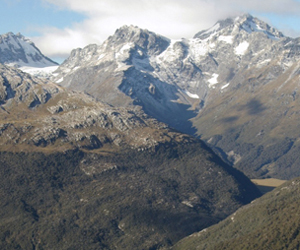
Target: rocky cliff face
<point x="224" y="85"/>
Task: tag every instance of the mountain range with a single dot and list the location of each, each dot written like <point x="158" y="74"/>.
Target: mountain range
<point x="101" y="152"/>
<point x="77" y="173"/>
<point x="234" y="85"/>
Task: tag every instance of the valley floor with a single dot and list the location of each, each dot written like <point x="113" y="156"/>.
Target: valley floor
<point x="267" y="185"/>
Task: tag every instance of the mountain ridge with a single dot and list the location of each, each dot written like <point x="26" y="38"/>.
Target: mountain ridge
<point x="246" y="22"/>
<point x="18" y="51"/>
<point x="186" y="83"/>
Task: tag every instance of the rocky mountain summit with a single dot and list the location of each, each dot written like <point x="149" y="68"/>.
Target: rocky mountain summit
<point x="166" y="77"/>
<point x="18" y="51"/>
<point x="120" y="72"/>
<point x="224" y="85"/>
<point x="251" y="118"/>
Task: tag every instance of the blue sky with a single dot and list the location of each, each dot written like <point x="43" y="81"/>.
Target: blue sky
<point x="29" y="16"/>
<point x="58" y="26"/>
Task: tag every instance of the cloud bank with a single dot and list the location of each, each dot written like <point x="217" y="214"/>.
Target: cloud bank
<point x="172" y="18"/>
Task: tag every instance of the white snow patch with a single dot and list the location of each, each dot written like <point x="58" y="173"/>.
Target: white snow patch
<point x="66" y="70"/>
<point x="76" y="68"/>
<point x="198" y="48"/>
<point x="225" y="86"/>
<point x="226" y="39"/>
<point x="214" y="80"/>
<point x="169" y="54"/>
<point x="140" y="52"/>
<point x="254" y="27"/>
<point x="265" y="61"/>
<point x="193" y="96"/>
<point x="287" y="64"/>
<point x="39" y="72"/>
<point x="31" y="64"/>
<point x="127" y="46"/>
<point x="201" y="50"/>
<point x="262" y="63"/>
<point x="274" y="38"/>
<point x="60" y="80"/>
<point x="101" y="56"/>
<point x="124" y="49"/>
<point x="241" y="48"/>
<point x="121" y="67"/>
<point x="237" y="19"/>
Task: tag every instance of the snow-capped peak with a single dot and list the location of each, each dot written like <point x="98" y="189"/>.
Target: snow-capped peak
<point x="143" y="38"/>
<point x="251" y="24"/>
<point x="18" y="51"/>
<point x="244" y="22"/>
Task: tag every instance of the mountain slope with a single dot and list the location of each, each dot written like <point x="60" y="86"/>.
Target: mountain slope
<point x="16" y="50"/>
<point x="120" y="72"/>
<point x="42" y="114"/>
<point x="224" y="85"/>
<point x="253" y="121"/>
<point x="78" y="173"/>
<point x="270" y="222"/>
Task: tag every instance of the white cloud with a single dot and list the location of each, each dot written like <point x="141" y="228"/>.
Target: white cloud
<point x="271" y="6"/>
<point x="59" y="43"/>
<point x="172" y="18"/>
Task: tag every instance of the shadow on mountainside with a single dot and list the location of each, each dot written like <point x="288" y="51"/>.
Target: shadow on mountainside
<point x="253" y="107"/>
<point x="158" y="99"/>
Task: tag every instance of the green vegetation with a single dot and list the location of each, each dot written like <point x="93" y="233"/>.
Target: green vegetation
<point x="127" y="200"/>
<point x="270" y="222"/>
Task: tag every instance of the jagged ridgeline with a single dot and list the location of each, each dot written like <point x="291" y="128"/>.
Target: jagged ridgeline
<point x="80" y="174"/>
<point x="234" y="85"/>
<point x="18" y="51"/>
